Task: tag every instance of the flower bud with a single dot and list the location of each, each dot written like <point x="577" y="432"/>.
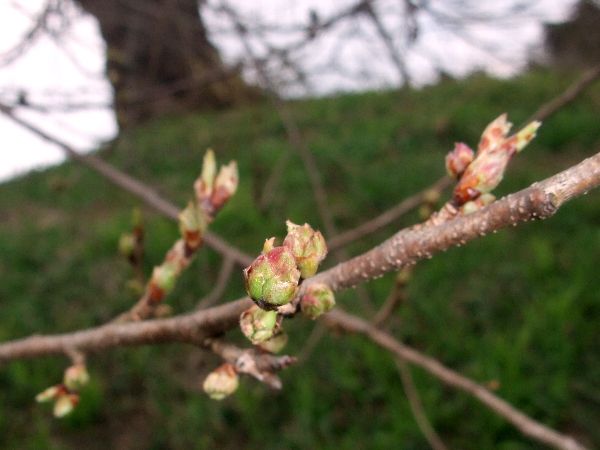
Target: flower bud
<point x="126" y="244"/>
<point x="494" y="135"/>
<point x="76" y="376"/>
<point x="65" y="404"/>
<point x="526" y="135"/>
<point x="485" y="173"/>
<point x="204" y="184"/>
<point x="50" y="393"/>
<point x="276" y="343"/>
<point x="272" y="278"/>
<point x="163" y="280"/>
<point x="225" y="185"/>
<point x="258" y="325"/>
<point x="458" y="159"/>
<point x="317" y="300"/>
<point x="308" y="247"/>
<point x="221" y="382"/>
<point x="192" y="225"/>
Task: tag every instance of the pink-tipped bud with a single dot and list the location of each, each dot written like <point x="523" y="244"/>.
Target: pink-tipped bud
<point x="485" y="173"/>
<point x="272" y="278"/>
<point x="163" y="280"/>
<point x="76" y="376"/>
<point x="204" y="184"/>
<point x="458" y="159"/>
<point x="317" y="300"/>
<point x="275" y="344"/>
<point x="221" y="382"/>
<point x="258" y="325"/>
<point x="225" y="185"/>
<point x="51" y="393"/>
<point x="192" y="225"/>
<point x="494" y="134"/>
<point x="65" y="404"/>
<point x="308" y="247"/>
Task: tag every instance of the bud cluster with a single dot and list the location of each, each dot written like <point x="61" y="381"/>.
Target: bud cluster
<point x="317" y="300"/>
<point x="483" y="172"/>
<point x="273" y="278"/>
<point x="65" y="395"/>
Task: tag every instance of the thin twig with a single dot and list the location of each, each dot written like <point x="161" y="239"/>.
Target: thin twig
<point x="222" y="280"/>
<point x="522" y="422"/>
<point x="129" y="184"/>
<point x="416" y="406"/>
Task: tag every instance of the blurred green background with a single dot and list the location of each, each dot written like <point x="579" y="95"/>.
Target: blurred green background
<point x="519" y="308"/>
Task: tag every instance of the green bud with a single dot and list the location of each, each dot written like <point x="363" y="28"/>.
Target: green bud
<point x="163" y="280"/>
<point x="126" y="244"/>
<point x="317" y="300"/>
<point x="76" y="376"/>
<point x="225" y="185"/>
<point x="221" y="382"/>
<point x="275" y="344"/>
<point x="204" y="184"/>
<point x="258" y="325"/>
<point x="308" y="247"/>
<point x="192" y="225"/>
<point x="272" y="278"/>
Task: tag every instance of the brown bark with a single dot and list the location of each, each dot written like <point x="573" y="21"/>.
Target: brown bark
<point x="159" y="60"/>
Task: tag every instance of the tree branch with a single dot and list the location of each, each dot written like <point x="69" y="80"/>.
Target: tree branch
<point x="525" y="424"/>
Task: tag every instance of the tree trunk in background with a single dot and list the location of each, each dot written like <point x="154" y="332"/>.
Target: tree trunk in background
<point x="159" y="58"/>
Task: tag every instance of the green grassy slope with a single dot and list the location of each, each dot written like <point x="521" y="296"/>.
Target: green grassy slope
<point x="519" y="308"/>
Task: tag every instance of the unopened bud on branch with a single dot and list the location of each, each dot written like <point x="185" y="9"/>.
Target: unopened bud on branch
<point x="221" y="382"/>
<point x="458" y="159"/>
<point x="258" y="325"/>
<point x="308" y="247"/>
<point x="163" y="280"/>
<point x="49" y="394"/>
<point x="276" y="343"/>
<point x="317" y="300"/>
<point x="485" y="173"/>
<point x="126" y="244"/>
<point x="204" y="185"/>
<point x="65" y="404"/>
<point x="192" y="224"/>
<point x="225" y="185"/>
<point x="272" y="278"/>
<point x="76" y="376"/>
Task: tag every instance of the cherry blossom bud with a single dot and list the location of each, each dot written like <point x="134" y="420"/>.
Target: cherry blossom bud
<point x="221" y="382"/>
<point x="225" y="185"/>
<point x="258" y="325"/>
<point x="272" y="278"/>
<point x="192" y="224"/>
<point x="65" y="404"/>
<point x="308" y="247"/>
<point x="526" y="135"/>
<point x="126" y="244"/>
<point x="275" y="344"/>
<point x="49" y="394"/>
<point x="317" y="300"/>
<point x="163" y="280"/>
<point x="204" y="185"/>
<point x="458" y="160"/>
<point x="494" y="135"/>
<point x="76" y="376"/>
<point x="485" y="173"/>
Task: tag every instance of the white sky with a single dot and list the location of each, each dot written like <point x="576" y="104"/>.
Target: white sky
<point x="71" y="70"/>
